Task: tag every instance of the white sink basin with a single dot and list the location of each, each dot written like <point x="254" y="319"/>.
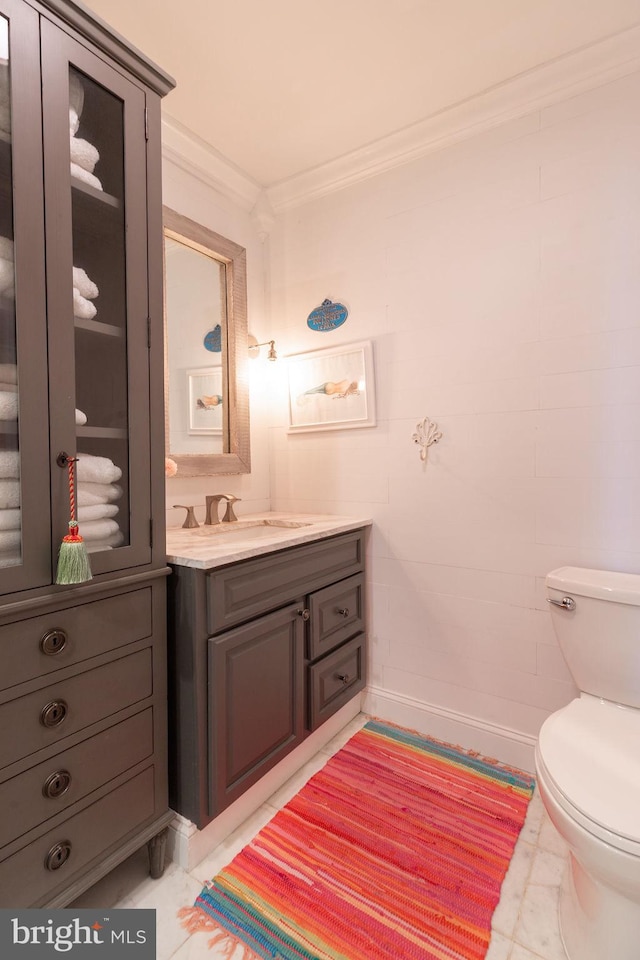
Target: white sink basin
<point x="247" y="529"/>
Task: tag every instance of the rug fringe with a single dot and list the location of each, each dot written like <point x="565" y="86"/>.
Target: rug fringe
<point x="196" y="920"/>
<point x="492" y="761"/>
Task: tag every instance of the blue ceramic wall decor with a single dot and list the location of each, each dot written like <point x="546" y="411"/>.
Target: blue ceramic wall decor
<point x="328" y="316"/>
<point x="213" y="339"/>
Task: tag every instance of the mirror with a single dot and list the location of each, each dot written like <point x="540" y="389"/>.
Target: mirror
<point x="206" y="350"/>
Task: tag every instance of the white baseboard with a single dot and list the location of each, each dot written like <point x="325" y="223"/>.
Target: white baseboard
<point x="187" y="846"/>
<point x="491" y="740"/>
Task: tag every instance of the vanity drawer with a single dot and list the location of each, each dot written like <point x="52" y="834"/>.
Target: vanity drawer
<point x="33" y="796"/>
<point x="248" y="589"/>
<point x="41" y="645"/>
<point x="52" y="860"/>
<point x="334" y="680"/>
<point x="337" y="613"/>
<point x="46" y="716"/>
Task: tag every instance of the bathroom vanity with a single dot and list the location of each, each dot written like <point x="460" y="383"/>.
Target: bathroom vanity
<point x="266" y="642"/>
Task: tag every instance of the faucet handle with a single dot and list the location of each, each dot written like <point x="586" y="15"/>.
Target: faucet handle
<point x="190" y="519"/>
<point x="229" y="515"/>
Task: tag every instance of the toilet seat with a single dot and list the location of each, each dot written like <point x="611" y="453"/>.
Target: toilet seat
<point x="588" y="755"/>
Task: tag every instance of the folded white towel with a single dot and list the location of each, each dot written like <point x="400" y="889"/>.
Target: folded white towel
<point x="85" y="176"/>
<point x="76" y="92"/>
<point x="84" y="284"/>
<point x="98" y="529"/>
<point x="9" y="494"/>
<point x="7" y="274"/>
<point x="8" y="405"/>
<point x="9" y="539"/>
<point x="83" y="153"/>
<point x="9" y="464"/>
<point x="83" y="309"/>
<point x="11" y="559"/>
<point x="8" y="372"/>
<point x="10" y="519"/>
<point x="97" y="511"/>
<point x="96" y="469"/>
<point x="89" y="494"/>
<point x="6" y="248"/>
<point x="108" y="543"/>
<point x="81" y="418"/>
<point x="74" y="121"/>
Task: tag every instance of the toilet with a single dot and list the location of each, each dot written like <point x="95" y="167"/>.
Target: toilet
<point x="588" y="761"/>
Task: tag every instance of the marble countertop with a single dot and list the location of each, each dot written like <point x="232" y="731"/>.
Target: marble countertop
<point x="206" y="547"/>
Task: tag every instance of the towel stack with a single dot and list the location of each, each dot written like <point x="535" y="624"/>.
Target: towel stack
<point x="97" y="492"/>
<point x="10" y="536"/>
<point x="7" y="276"/>
<point x="84" y="291"/>
<point x="84" y="155"/>
<point x="5" y="100"/>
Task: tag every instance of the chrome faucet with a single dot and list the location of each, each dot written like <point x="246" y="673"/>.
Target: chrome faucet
<point x="212" y="515"/>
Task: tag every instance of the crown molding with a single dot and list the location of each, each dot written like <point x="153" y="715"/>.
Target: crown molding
<point x="198" y="158"/>
<point x="568" y="76"/>
<point x="556" y="80"/>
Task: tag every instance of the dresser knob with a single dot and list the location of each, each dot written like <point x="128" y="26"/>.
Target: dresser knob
<point x="344" y="677"/>
<point x="53" y="642"/>
<point x="58" y="855"/>
<point x="53" y="713"/>
<point x="56" y="784"/>
<point x="343" y="611"/>
<point x="305" y="614"/>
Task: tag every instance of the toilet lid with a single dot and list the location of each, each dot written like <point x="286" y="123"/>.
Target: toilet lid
<point x="591" y="751"/>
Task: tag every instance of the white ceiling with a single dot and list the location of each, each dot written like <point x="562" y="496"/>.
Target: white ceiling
<point x="279" y="87"/>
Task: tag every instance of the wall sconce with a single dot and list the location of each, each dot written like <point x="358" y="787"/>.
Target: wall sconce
<point x="254" y="348"/>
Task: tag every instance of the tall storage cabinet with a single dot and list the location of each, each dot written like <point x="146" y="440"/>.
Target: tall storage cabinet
<point x="83" y="779"/>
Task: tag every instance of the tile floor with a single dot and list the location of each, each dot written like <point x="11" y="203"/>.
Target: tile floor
<point x="525" y="924"/>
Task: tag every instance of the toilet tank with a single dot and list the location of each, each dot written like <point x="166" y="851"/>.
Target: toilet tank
<point x="600" y="638"/>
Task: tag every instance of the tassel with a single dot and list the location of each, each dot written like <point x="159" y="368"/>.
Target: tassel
<point x="73" y="560"/>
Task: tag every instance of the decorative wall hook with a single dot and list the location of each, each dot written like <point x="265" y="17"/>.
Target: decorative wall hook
<point x="426" y="433"/>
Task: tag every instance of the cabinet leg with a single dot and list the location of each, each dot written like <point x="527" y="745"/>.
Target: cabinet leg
<point x="156" y="847"/>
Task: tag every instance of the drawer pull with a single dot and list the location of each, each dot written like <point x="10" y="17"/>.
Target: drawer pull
<point x="53" y="713"/>
<point x="305" y="614"/>
<point x="344" y="677"/>
<point x="58" y="855"/>
<point x="56" y="784"/>
<point x="53" y="642"/>
<point x="343" y="611"/>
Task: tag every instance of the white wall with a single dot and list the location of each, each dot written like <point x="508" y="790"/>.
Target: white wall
<point x="194" y="198"/>
<point x="499" y="281"/>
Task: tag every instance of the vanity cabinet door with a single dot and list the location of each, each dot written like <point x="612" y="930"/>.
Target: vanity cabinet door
<point x="256" y="702"/>
<point x="98" y="308"/>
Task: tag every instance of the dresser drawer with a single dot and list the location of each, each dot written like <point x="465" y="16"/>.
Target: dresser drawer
<point x="337" y="613"/>
<point x="69" y="705"/>
<point x="40" y="645"/>
<point x="50" y="787"/>
<point x="245" y="590"/>
<point x="52" y="860"/>
<point x="334" y="680"/>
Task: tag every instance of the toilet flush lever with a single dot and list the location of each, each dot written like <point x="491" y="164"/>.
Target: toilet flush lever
<point x="567" y="603"/>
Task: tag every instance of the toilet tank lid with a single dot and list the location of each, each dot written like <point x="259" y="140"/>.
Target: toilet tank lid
<point x="602" y="584"/>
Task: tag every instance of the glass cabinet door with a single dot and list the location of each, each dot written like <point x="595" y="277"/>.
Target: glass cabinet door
<point x="95" y="175"/>
<point x="25" y="559"/>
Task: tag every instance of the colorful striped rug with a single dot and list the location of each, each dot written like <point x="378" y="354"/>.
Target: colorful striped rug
<point x="396" y="849"/>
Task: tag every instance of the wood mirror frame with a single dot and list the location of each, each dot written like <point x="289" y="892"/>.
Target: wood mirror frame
<point x="236" y="457"/>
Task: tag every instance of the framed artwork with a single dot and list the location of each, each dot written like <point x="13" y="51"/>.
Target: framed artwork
<point x="332" y="389"/>
<point x="205" y="400"/>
